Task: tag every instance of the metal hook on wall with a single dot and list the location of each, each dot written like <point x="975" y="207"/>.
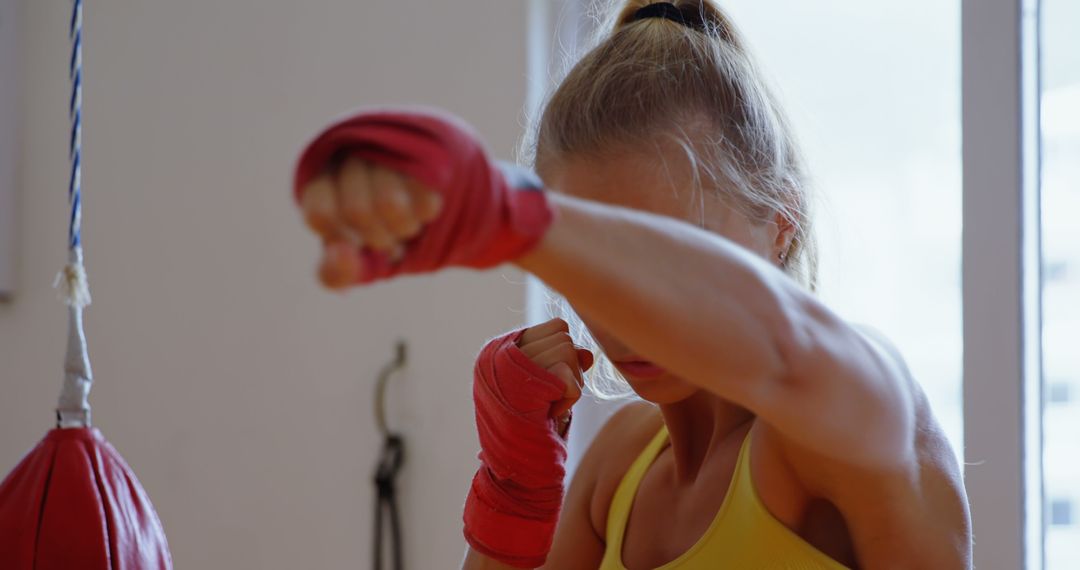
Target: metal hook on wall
<point x="380" y="386"/>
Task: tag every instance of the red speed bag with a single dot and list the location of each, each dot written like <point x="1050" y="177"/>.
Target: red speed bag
<point x="73" y="503"/>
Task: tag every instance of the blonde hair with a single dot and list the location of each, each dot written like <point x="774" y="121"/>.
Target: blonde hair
<point x="647" y="79"/>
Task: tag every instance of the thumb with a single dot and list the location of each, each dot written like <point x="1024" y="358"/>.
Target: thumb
<point x="572" y="392"/>
<point x="566" y="374"/>
<point x="585" y="358"/>
<point x="339" y="265"/>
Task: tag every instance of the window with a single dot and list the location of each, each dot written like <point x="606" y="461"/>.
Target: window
<point x="1061" y="512"/>
<point x="1060" y="134"/>
<point x="880" y="127"/>
<point x="1059" y="392"/>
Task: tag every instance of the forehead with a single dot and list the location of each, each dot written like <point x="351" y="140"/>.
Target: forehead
<point x="653" y="182"/>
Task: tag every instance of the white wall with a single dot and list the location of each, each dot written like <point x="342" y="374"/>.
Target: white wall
<point x="10" y="60"/>
<point x="236" y="387"/>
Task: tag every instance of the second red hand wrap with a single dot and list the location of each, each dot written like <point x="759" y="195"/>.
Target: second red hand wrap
<point x="514" y="501"/>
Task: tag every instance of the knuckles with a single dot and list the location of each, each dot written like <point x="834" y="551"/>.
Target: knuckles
<point x="357" y="214"/>
<point x="378" y="203"/>
<point x="392" y="206"/>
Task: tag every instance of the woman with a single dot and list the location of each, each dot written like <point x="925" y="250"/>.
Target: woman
<point x="675" y="222"/>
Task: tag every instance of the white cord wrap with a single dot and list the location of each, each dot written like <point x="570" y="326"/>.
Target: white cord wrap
<point x="73" y="408"/>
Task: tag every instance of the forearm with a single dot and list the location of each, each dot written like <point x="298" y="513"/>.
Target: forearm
<point x="693" y="302"/>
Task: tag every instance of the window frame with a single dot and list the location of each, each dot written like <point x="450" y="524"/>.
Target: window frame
<point x="1002" y="290"/>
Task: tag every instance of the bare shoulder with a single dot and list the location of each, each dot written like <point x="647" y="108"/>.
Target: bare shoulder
<point x="931" y="446"/>
<point x="611" y="453"/>
<point x="579" y="536"/>
<point x="916" y="512"/>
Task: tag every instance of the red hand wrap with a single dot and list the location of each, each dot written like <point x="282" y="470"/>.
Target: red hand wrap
<point x="516" y="495"/>
<point x="491" y="213"/>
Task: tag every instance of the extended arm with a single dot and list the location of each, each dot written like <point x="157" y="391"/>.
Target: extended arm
<point x="719" y="316"/>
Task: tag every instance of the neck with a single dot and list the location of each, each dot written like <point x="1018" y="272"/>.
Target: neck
<point x="696" y="426"/>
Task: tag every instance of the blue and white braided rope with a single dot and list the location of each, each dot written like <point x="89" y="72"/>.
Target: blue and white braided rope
<point x="75" y="116"/>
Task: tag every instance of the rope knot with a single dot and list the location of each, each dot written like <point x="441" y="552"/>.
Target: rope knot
<point x="72" y="285"/>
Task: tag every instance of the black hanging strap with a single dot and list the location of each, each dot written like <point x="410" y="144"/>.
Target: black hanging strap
<point x="390" y="461"/>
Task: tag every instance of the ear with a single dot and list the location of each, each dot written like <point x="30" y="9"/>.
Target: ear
<point x="785" y="233"/>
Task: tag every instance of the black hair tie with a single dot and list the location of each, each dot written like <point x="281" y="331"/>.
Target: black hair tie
<point x="665" y="10"/>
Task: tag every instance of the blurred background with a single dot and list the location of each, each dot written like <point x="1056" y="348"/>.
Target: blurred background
<point x="240" y="391"/>
<point x="237" y="388"/>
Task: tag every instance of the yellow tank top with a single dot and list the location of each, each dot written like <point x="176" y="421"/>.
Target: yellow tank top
<point x="743" y="536"/>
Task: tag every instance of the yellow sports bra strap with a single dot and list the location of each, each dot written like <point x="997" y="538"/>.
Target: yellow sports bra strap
<point x="619" y="512"/>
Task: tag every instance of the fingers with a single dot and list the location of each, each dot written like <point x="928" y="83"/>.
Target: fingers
<point x="562" y="353"/>
<point x="539" y="338"/>
<point x="354" y="197"/>
<point x="550" y="342"/>
<point x="550" y="345"/>
<point x="364" y="205"/>
<point x="542" y="330"/>
<point x="320" y="208"/>
<point x="382" y="208"/>
<point x="539" y="345"/>
<point x="339" y="265"/>
<point x="392" y="204"/>
<point x="426" y="203"/>
<point x="573" y="389"/>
